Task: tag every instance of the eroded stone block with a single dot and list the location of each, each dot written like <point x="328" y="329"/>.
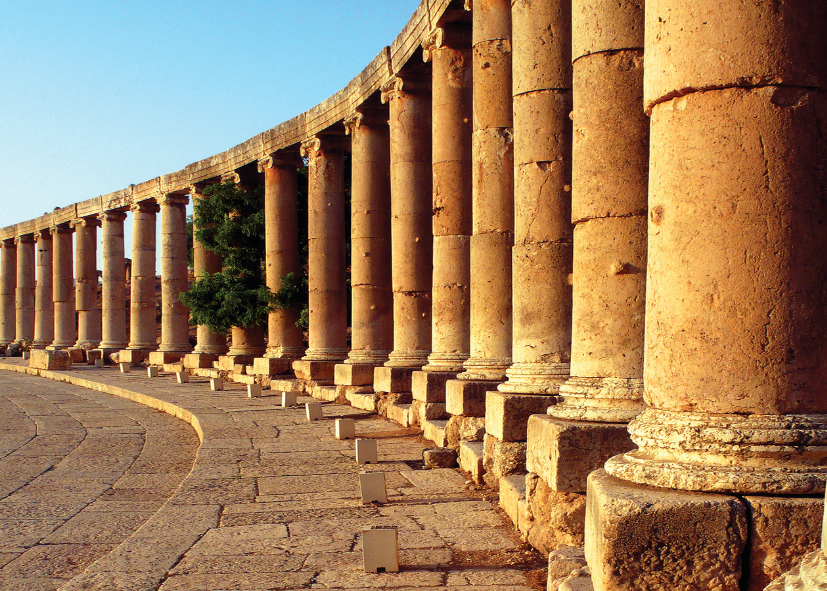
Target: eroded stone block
<point x="49" y="360"/>
<point x="439" y="457"/>
<point x="348" y="374"/>
<point x="502" y="458"/>
<point x="270" y="366"/>
<point x="512" y="491"/>
<point x="77" y="355"/>
<point x="459" y="428"/>
<point x="199" y="360"/>
<point x="392" y="379"/>
<point x="552" y="519"/>
<point x="162" y="357"/>
<point x="466" y="398"/>
<point x="640" y="537"/>
<point x="314" y="370"/>
<point x="93" y="355"/>
<point x="563" y="453"/>
<point x="132" y="357"/>
<point x="506" y="415"/>
<point x="429" y="386"/>
<point x="434" y="431"/>
<point x="470" y="460"/>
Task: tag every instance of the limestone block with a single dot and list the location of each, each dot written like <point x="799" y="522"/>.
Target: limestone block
<point x="506" y="415"/>
<point x="228" y="362"/>
<point x="182" y="377"/>
<point x="782" y="530"/>
<point x="161" y="357"/>
<point x="563" y="453"/>
<point x="172" y="367"/>
<point x="512" y="491"/>
<point x="432" y="410"/>
<point x="313" y="370"/>
<point x="132" y="357"/>
<point x="270" y="366"/>
<point x="466" y="397"/>
<point x="288" y="399"/>
<point x="434" y="431"/>
<point x="392" y="379"/>
<point x="364" y="400"/>
<point x="93" y="355"/>
<point x="439" y="457"/>
<point x="429" y="386"/>
<point x="461" y="428"/>
<point x="51" y="360"/>
<point x="809" y="575"/>
<point x="502" y="458"/>
<point x="199" y="360"/>
<point x="562" y="562"/>
<point x="348" y="374"/>
<point x="399" y="413"/>
<point x="77" y="355"/>
<point x="640" y="537"/>
<point x="313" y="410"/>
<point x="470" y="460"/>
<point x="552" y="519"/>
<point x="373" y="487"/>
<point x="253" y="390"/>
<point x="152" y="371"/>
<point x="380" y="549"/>
<point x="238" y="368"/>
<point x="366" y="451"/>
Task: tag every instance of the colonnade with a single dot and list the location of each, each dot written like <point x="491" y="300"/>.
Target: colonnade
<point x="598" y="280"/>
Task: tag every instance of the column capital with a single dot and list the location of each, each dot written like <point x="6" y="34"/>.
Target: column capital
<point x="87" y="222"/>
<point x="231" y="177"/>
<point x="8" y="242"/>
<point x="276" y="160"/>
<point x="366" y="117"/>
<point x="112" y="216"/>
<point x="398" y="86"/>
<point x="431" y="42"/>
<point x="312" y="145"/>
<point x="146" y="206"/>
<point x="174" y="200"/>
<point x="449" y="35"/>
<point x="44" y="234"/>
<point x="25" y="239"/>
<point x="61" y="229"/>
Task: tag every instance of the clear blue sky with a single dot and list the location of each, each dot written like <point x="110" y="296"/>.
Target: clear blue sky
<point x="96" y="95"/>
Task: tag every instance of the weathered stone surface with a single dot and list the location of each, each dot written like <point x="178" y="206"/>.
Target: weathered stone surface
<point x="502" y="458"/>
<point x="470" y="460"/>
<point x="42" y="359"/>
<point x="459" y="428"/>
<point x="160" y="358"/>
<point x="563" y="562"/>
<point x="645" y="537"/>
<point x="466" y="398"/>
<point x="440" y="457"/>
<point x="506" y="415"/>
<point x="429" y="386"/>
<point x="313" y="370"/>
<point x="392" y="379"/>
<point x="349" y="374"/>
<point x="270" y="366"/>
<point x="563" y="453"/>
<point x="512" y="491"/>
<point x="551" y="519"/>
<point x="434" y="431"/>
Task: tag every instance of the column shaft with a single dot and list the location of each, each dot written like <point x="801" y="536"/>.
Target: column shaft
<point x="113" y="286"/>
<point x="24" y="292"/>
<point x="174" y="314"/>
<point x="493" y="193"/>
<point x="44" y="309"/>
<point x="63" y="288"/>
<point x="326" y="246"/>
<point x="8" y="283"/>
<point x="142" y="308"/>
<point x="86" y="284"/>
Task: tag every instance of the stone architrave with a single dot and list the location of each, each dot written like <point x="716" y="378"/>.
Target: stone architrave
<point x="113" y="285"/>
<point x="493" y="193"/>
<point x="44" y="309"/>
<point x="143" y="305"/>
<point x="284" y="337"/>
<point x="86" y="282"/>
<point x="25" y="290"/>
<point x="174" y="314"/>
<point x="326" y="254"/>
<point x="63" y="288"/>
<point x="205" y="262"/>
<point x="734" y="299"/>
<point x="8" y="283"/>
<point x="408" y="99"/>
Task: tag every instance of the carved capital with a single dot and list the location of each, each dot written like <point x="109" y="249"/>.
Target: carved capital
<point x="147" y="206"/>
<point x="397" y="87"/>
<point x="353" y="122"/>
<point x="310" y="147"/>
<point x="265" y="163"/>
<point x="44" y="234"/>
<point x="112" y="216"/>
<point x="391" y="89"/>
<point x="231" y="177"/>
<point x="9" y="242"/>
<point x="61" y="229"/>
<point x="469" y="5"/>
<point x="88" y="222"/>
<point x="174" y="200"/>
<point x="432" y="41"/>
<point x="24" y="239"/>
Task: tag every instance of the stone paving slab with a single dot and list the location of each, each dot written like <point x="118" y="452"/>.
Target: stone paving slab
<point x="271" y="501"/>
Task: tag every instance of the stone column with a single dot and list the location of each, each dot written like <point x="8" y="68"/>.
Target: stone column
<point x="370" y="248"/>
<point x="174" y="315"/>
<point x="448" y="48"/>
<point x="86" y="283"/>
<point x="204" y="262"/>
<point x="735" y="298"/>
<point x="44" y="308"/>
<point x="326" y="246"/>
<point x="113" y="286"/>
<point x="143" y="306"/>
<point x="24" y="292"/>
<point x="63" y="288"/>
<point x="8" y="284"/>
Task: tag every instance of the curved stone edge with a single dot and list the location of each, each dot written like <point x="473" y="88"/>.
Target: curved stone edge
<point x="291" y="132"/>
<point x="188" y="531"/>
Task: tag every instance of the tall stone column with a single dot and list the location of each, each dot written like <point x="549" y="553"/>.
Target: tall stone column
<point x="370" y="248"/>
<point x="86" y="283"/>
<point x="174" y="315"/>
<point x="448" y="48"/>
<point x="205" y="262"/>
<point x="63" y="288"/>
<point x="143" y="305"/>
<point x="44" y="308"/>
<point x="24" y="292"/>
<point x="8" y="284"/>
<point x="734" y="303"/>
<point x="113" y="285"/>
<point x="326" y="254"/>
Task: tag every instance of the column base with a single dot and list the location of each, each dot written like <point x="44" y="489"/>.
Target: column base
<point x="271" y="366"/>
<point x="549" y="519"/>
<point x="506" y="415"/>
<point x="57" y="345"/>
<point x="353" y="374"/>
<point x="467" y="398"/>
<point x="429" y="386"/>
<point x="741" y="454"/>
<point x="285" y="353"/>
<point x="335" y="355"/>
<point x="535" y="378"/>
<point x="164" y="357"/>
<point x="445" y="362"/>
<point x="392" y="379"/>
<point x="362" y="357"/>
<point x="407" y="359"/>
<point x="602" y="400"/>
<point x="251" y="352"/>
<point x="230" y="362"/>
<point x="314" y="369"/>
<point x="86" y="345"/>
<point x="485" y="369"/>
<point x="210" y="350"/>
<point x="40" y="345"/>
<point x="179" y="348"/>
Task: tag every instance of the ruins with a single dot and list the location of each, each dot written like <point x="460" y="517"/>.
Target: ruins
<point x="586" y="253"/>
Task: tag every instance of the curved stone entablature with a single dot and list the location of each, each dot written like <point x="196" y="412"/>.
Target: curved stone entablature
<point x="335" y="109"/>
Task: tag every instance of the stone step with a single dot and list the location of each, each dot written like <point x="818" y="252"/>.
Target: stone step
<point x="364" y="400"/>
<point x="470" y="459"/>
<point x="512" y="491"/>
<point x="434" y="431"/>
<point x="400" y="413"/>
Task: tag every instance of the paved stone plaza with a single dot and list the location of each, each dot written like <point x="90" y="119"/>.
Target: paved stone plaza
<point x="101" y="493"/>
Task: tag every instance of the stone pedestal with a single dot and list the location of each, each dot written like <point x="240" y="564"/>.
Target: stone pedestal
<point x="50" y="360"/>
<point x="8" y="283"/>
<point x="63" y="289"/>
<point x="159" y="358"/>
<point x="271" y="366"/>
<point x="44" y="309"/>
<point x="174" y="314"/>
<point x="315" y="370"/>
<point x="284" y="337"/>
<point x="411" y="232"/>
<point x="142" y="310"/>
<point x="493" y="193"/>
<point x="247" y="341"/>
<point x="326" y="246"/>
<point x="199" y="360"/>
<point x="114" y="336"/>
<point x="24" y="292"/>
<point x="86" y="283"/>
<point x="349" y="374"/>
<point x="392" y="380"/>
